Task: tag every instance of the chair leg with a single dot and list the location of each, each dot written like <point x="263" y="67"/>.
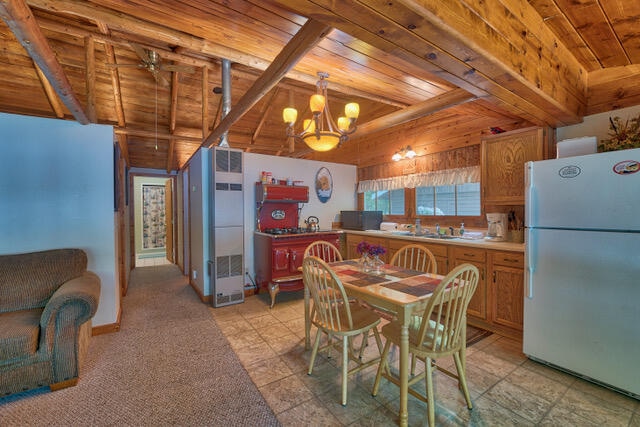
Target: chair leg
<point x="462" y="377"/>
<point x="430" y="397"/>
<point x="413" y="364"/>
<point x="345" y="368"/>
<point x="314" y="352"/>
<point x="381" y="366"/>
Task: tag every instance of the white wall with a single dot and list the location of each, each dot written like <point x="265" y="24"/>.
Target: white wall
<point x="343" y="196"/>
<point x="199" y="177"/>
<point x="597" y="124"/>
<point x="56" y="191"/>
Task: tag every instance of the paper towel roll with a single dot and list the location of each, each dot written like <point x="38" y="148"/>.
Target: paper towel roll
<point x="388" y="226"/>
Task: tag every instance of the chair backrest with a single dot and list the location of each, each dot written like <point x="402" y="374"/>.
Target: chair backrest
<point x="323" y="250"/>
<point x="445" y="316"/>
<point x="415" y="257"/>
<point x="328" y="294"/>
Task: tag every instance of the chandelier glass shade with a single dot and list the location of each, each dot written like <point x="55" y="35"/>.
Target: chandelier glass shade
<point x="320" y="132"/>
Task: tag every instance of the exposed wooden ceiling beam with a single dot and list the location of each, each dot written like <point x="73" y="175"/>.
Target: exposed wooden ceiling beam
<point x="508" y="57"/>
<point x="90" y="77"/>
<point x="416" y="111"/>
<point x="304" y="40"/>
<point x="263" y="115"/>
<point x="128" y="24"/>
<point x="54" y="101"/>
<point x="22" y="23"/>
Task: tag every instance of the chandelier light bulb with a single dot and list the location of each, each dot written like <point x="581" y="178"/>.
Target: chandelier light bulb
<point x="290" y="115"/>
<point x="352" y="110"/>
<point x="316" y="103"/>
<point x="343" y="123"/>
<point x="409" y="154"/>
<point x="396" y="157"/>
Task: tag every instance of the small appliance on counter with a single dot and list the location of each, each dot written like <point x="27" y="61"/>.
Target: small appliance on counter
<point x="497" y="227"/>
<point x="361" y="220"/>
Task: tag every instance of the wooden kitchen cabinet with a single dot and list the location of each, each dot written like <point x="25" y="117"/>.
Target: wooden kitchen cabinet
<point x="506" y="295"/>
<point x="460" y="255"/>
<point x="439" y="252"/>
<point x="503" y="157"/>
<point x="354" y="239"/>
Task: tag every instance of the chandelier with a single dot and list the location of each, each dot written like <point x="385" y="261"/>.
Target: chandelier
<point x="320" y="132"/>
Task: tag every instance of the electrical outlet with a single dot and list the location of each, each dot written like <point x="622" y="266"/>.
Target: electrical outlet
<point x="194" y="274"/>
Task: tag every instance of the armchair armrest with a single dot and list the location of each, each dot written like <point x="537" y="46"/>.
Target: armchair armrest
<point x="74" y="303"/>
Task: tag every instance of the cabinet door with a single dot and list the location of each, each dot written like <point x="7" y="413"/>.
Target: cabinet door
<point x="280" y="260"/>
<point x="478" y="304"/>
<point x="503" y="159"/>
<point x="296" y="255"/>
<point x="507" y="289"/>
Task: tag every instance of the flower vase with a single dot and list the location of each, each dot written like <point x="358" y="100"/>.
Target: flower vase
<point x="364" y="263"/>
<point x="377" y="265"/>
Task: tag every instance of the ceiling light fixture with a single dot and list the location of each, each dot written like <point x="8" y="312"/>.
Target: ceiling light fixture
<point x="320" y="132"/>
<point x="404" y="153"/>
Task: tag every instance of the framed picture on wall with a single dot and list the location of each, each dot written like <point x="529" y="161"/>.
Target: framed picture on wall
<point x="324" y="184"/>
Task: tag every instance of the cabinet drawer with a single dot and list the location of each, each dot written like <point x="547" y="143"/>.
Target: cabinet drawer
<point x="469" y="254"/>
<point x="508" y="259"/>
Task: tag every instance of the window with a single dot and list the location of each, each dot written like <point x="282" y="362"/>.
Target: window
<point x="461" y="200"/>
<point x="390" y="202"/>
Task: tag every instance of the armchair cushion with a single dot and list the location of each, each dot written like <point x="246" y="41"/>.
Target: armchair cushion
<point x="19" y="332"/>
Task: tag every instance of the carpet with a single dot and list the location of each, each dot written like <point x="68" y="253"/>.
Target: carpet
<point x="168" y="365"/>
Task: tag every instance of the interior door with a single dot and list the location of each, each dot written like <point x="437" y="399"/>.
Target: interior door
<point x="168" y="218"/>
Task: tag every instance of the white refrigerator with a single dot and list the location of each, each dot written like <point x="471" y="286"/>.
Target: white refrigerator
<point x="582" y="266"/>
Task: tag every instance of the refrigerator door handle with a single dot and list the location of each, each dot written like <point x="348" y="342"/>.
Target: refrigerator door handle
<point x="529" y="195"/>
<point x="529" y="267"/>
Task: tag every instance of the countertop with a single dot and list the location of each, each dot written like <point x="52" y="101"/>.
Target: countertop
<point x="481" y="243"/>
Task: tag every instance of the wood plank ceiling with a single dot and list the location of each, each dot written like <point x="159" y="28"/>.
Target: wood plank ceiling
<point x="543" y="62"/>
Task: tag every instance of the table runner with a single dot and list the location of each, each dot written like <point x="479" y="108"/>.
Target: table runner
<point x="410" y="282"/>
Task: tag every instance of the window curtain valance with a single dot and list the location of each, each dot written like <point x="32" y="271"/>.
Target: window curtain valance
<point x="427" y="179"/>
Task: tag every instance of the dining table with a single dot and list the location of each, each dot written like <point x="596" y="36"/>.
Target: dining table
<point x="397" y="290"/>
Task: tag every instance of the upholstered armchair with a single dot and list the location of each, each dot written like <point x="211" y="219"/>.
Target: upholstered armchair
<point x="47" y="300"/>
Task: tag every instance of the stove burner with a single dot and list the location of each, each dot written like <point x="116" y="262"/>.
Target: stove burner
<point x="278" y="231"/>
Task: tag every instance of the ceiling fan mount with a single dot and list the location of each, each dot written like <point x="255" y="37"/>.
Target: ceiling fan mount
<point x="151" y="61"/>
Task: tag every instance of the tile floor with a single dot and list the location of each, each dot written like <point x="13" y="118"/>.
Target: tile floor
<point x="506" y="388"/>
<point x="151" y="262"/>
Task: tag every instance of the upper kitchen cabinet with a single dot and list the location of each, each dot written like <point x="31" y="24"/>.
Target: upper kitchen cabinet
<point x="503" y="157"/>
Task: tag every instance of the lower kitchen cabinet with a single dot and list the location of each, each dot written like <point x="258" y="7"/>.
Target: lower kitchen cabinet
<point x="354" y="239"/>
<point x="507" y="289"/>
<point x="461" y="255"/>
<point x="439" y="252"/>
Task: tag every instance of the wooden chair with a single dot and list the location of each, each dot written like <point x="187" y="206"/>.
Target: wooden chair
<point x="337" y="318"/>
<point x="328" y="253"/>
<point x="415" y="257"/>
<point x="440" y="332"/>
<point x="323" y="250"/>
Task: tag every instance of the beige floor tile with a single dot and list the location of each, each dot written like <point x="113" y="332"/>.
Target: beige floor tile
<point x="490" y="363"/>
<point x="595" y="409"/>
<point x="311" y="413"/>
<point x="537" y="384"/>
<point x="520" y="401"/>
<point x="266" y="371"/>
<point x="285" y="394"/>
<point x="360" y="403"/>
<point x="244" y="339"/>
<point x="255" y="352"/>
<point x="487" y="413"/>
